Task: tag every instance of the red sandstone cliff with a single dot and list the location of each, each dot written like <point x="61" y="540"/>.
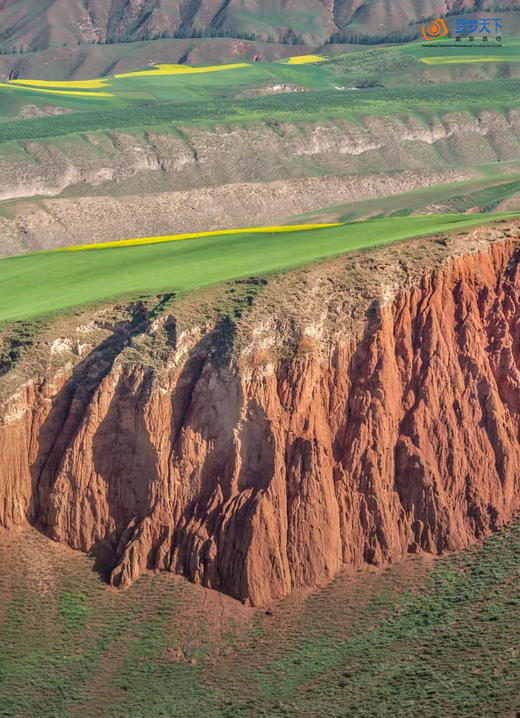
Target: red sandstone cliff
<point x="254" y="474"/>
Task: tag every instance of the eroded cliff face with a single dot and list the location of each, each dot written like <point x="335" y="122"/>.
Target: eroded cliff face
<point x="195" y="157"/>
<point x="389" y="425"/>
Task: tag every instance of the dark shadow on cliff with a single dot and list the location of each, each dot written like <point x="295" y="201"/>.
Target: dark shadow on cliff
<point x="340" y="443"/>
<point x="125" y="460"/>
<point x="69" y="406"/>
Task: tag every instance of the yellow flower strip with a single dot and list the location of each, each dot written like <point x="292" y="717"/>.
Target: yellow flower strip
<point x="194" y="235"/>
<point x="304" y="59"/>
<point x="180" y="70"/>
<point x="68" y="93"/>
<point x="64" y="84"/>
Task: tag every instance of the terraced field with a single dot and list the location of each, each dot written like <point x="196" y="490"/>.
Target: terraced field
<point x="166" y="82"/>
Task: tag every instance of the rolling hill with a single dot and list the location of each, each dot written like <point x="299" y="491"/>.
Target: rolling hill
<point x="175" y="148"/>
<point x="36" y="25"/>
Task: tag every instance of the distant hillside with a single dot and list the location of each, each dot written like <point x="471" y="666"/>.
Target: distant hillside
<point x="42" y="24"/>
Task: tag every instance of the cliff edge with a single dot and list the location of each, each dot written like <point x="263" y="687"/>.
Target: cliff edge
<point x="259" y="436"/>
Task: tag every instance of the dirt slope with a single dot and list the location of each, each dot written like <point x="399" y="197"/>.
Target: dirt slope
<point x="194" y="157"/>
<point x="357" y="411"/>
<point x="30" y="225"/>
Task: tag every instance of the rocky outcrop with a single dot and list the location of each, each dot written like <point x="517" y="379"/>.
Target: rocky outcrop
<point x="256" y="469"/>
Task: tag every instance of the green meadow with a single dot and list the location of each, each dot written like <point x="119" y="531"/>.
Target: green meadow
<point x="40" y="284"/>
<point x="148" y="88"/>
<point x="348" y="85"/>
<point x="432" y="639"/>
<point x="422" y="101"/>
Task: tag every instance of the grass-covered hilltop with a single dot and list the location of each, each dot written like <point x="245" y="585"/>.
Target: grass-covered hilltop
<point x="405" y="69"/>
<point x="45" y="283"/>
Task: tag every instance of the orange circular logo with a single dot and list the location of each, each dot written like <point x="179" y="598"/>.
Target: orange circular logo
<point x="435" y="29"/>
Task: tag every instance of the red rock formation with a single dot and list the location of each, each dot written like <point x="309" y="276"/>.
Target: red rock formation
<point x="256" y="478"/>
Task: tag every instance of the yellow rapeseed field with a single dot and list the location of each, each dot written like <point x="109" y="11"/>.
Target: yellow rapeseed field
<point x="179" y="70"/>
<point x="64" y="84"/>
<point x="87" y="88"/>
<point x="194" y="235"/>
<point x="68" y="93"/>
<point x="304" y="59"/>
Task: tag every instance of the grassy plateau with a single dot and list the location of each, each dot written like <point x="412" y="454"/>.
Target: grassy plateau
<point x="35" y="285"/>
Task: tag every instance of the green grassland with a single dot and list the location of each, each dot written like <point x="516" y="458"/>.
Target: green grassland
<point x="421" y="101"/>
<point x="149" y="88"/>
<point x="422" y="638"/>
<point x="34" y="285"/>
<point x="410" y="85"/>
<point x="441" y="51"/>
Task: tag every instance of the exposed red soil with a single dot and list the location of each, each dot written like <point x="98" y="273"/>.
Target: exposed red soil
<point x="264" y="476"/>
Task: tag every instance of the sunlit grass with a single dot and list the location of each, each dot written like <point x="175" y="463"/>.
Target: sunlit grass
<point x="40" y="284"/>
<point x="194" y="235"/>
